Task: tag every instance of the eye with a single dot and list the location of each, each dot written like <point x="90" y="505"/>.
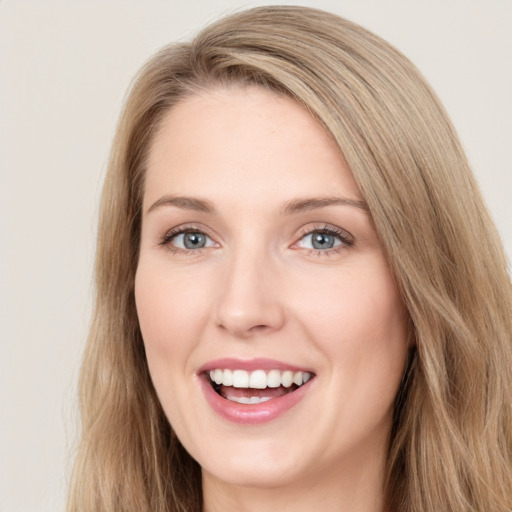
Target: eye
<point x="325" y="239"/>
<point x="319" y="240"/>
<point x="190" y="240"/>
<point x="186" y="240"/>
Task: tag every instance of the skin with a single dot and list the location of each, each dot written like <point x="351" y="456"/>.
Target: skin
<point x="258" y="289"/>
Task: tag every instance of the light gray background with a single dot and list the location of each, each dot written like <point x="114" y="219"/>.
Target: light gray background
<point x="64" y="70"/>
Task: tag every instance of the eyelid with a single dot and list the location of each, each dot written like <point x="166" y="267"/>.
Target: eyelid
<point x="166" y="239"/>
<point x="346" y="238"/>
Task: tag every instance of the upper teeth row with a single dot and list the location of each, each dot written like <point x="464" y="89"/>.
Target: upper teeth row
<point x="258" y="379"/>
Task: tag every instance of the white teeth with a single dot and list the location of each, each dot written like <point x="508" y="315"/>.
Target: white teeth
<point x="240" y="379"/>
<point x="258" y="379"/>
<point x="227" y="378"/>
<point x="252" y="400"/>
<point x="218" y="376"/>
<point x="297" y="378"/>
<point x="258" y="400"/>
<point x="287" y="379"/>
<point x="274" y="379"/>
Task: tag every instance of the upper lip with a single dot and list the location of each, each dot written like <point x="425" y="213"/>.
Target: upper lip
<point x="250" y="365"/>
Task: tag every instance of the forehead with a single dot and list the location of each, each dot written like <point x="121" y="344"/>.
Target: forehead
<point x="244" y="142"/>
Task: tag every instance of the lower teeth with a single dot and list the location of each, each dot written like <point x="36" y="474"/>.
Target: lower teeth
<point x="252" y="400"/>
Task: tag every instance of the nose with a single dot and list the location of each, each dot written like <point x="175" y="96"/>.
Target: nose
<point x="249" y="302"/>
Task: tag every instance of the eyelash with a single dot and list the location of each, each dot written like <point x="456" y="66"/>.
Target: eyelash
<point x="345" y="237"/>
<point x="166" y="239"/>
<point x="347" y="240"/>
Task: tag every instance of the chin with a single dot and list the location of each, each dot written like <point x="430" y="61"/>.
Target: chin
<point x="262" y="472"/>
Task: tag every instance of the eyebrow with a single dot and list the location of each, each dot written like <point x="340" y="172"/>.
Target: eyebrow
<point x="288" y="208"/>
<point x="184" y="203"/>
<point x="313" y="203"/>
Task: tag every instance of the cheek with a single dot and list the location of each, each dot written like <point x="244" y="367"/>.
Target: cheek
<point x="164" y="298"/>
<point x="355" y="303"/>
<point x="170" y="311"/>
<point x="153" y="308"/>
<point x="362" y="329"/>
<point x="357" y="320"/>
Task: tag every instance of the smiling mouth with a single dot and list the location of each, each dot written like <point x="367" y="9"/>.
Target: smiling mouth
<point x="257" y="386"/>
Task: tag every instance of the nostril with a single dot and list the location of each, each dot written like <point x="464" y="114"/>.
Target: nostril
<point x="258" y="328"/>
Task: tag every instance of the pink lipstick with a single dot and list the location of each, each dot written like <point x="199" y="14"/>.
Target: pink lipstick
<point x="254" y="391"/>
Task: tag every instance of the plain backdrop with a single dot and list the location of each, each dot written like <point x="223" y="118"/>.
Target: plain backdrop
<point x="64" y="71"/>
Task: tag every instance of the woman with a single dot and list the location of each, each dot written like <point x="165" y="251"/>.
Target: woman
<point x="301" y="298"/>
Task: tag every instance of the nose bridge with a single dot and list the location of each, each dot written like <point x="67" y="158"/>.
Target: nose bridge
<point x="248" y="301"/>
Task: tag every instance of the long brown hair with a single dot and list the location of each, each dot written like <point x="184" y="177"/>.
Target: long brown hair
<point x="451" y="446"/>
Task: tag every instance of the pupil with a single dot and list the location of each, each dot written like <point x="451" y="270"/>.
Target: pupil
<point x="323" y="241"/>
<point x="194" y="240"/>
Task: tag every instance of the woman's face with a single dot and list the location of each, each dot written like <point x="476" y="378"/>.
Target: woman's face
<point x="260" y="268"/>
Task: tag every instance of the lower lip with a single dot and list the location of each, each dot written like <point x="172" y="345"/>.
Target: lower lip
<point x="252" y="414"/>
